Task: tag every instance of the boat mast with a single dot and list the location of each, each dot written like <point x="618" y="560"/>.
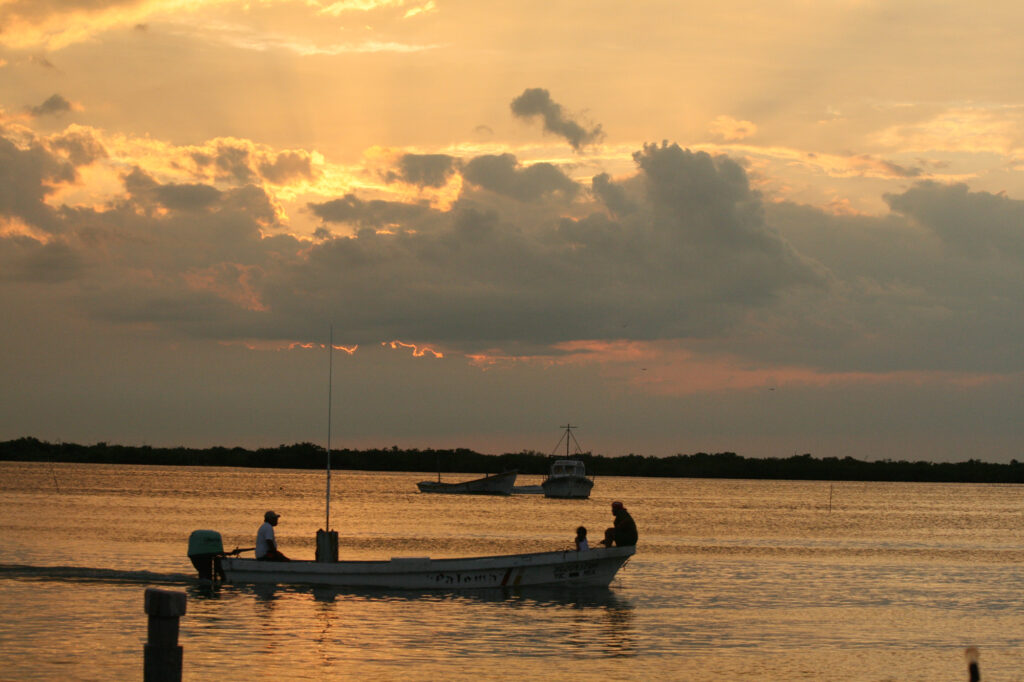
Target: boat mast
<point x="330" y="391"/>
<point x="568" y="436"/>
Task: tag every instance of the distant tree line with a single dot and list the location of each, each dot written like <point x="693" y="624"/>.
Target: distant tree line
<point x="700" y="465"/>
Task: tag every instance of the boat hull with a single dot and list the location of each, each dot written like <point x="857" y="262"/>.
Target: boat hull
<point x="589" y="568"/>
<point x="499" y="484"/>
<point x="571" y="487"/>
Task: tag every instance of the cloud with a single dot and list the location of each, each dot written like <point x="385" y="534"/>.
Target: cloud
<point x="503" y="174"/>
<point x="424" y="170"/>
<point x="731" y="129"/>
<point x="537" y="102"/>
<point x="933" y="286"/>
<point x="79" y="145"/>
<point x="231" y="160"/>
<point x="524" y="260"/>
<point x="55" y="105"/>
<point x="288" y="166"/>
<point x="375" y="214"/>
<point x="974" y="223"/>
<point x="27" y="176"/>
<point x="614" y="196"/>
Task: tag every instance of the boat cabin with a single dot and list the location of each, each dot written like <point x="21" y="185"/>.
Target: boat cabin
<point x="568" y="467"/>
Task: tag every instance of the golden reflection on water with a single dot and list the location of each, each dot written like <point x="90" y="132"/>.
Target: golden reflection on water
<point x="732" y="579"/>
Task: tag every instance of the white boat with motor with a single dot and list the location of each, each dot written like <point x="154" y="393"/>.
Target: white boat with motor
<point x="588" y="568"/>
<point x="568" y="477"/>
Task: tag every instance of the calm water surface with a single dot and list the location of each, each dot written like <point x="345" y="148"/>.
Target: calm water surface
<point x="731" y="580"/>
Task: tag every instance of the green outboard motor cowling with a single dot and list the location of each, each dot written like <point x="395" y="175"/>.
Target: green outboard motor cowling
<point x="205" y="548"/>
<point x="205" y="542"/>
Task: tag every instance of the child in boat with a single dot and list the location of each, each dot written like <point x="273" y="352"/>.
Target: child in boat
<point x="581" y="539"/>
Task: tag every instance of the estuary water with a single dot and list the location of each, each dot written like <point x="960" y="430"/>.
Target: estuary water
<point x="732" y="579"/>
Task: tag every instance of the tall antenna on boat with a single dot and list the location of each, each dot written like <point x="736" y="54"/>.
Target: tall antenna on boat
<point x="569" y="437"/>
<point x="330" y="391"/>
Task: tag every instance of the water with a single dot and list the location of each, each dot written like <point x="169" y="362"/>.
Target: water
<point x="732" y="580"/>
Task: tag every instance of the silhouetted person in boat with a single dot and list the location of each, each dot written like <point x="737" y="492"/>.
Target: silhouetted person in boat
<point x="266" y="545"/>
<point x="623" y="533"/>
<point x="581" y="539"/>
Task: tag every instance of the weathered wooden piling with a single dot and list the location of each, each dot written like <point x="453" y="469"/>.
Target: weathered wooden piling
<point x="163" y="655"/>
<point x="973" y="671"/>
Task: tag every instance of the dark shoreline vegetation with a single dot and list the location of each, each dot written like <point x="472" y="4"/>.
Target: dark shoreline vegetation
<point x="699" y="465"/>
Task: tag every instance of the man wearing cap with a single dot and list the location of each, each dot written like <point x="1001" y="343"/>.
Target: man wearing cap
<point x="623" y="533"/>
<point x="266" y="546"/>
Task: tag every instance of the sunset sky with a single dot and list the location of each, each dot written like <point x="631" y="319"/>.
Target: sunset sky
<point x="765" y="228"/>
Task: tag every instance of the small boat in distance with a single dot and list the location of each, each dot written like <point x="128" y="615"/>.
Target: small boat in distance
<point x="568" y="477"/>
<point x="497" y="484"/>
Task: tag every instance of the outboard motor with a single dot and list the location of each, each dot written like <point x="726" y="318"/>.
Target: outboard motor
<point x="205" y="549"/>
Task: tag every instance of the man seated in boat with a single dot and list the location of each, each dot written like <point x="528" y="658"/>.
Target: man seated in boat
<point x="623" y="533"/>
<point x="266" y="545"/>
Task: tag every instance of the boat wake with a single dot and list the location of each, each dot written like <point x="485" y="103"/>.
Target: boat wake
<point x="81" y="573"/>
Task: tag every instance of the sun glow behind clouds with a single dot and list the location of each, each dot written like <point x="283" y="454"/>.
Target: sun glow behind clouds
<point x="671" y="369"/>
<point x="417" y="351"/>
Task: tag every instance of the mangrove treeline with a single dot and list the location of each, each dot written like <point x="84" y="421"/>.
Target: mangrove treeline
<point x="700" y="465"/>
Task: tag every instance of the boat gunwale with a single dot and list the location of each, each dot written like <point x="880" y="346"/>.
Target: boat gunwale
<point x="594" y="554"/>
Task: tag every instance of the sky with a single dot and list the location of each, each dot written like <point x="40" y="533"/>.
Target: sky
<point x="762" y="228"/>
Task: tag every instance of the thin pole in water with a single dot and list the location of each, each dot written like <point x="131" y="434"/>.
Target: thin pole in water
<point x="330" y="391"/>
<point x="973" y="670"/>
<point x="830" y="497"/>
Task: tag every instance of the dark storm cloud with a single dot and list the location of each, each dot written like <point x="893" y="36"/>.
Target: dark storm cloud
<point x="81" y="148"/>
<point x="689" y="257"/>
<point x="975" y="223"/>
<point x="424" y="170"/>
<point x="373" y="214"/>
<point x="502" y="174"/>
<point x="288" y="166"/>
<point x="146" y="191"/>
<point x="537" y="102"/>
<point x="935" y="285"/>
<point x="613" y="195"/>
<point x="488" y="275"/>
<point x="682" y="249"/>
<point x="27" y="177"/>
<point x="54" y="105"/>
<point x="26" y="260"/>
<point x="229" y="162"/>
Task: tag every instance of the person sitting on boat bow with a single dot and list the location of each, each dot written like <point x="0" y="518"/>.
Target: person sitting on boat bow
<point x="581" y="539"/>
<point x="623" y="533"/>
<point x="266" y="545"/>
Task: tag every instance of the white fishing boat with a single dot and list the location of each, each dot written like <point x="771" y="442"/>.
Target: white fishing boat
<point x="589" y="568"/>
<point x="496" y="484"/>
<point x="568" y="477"/>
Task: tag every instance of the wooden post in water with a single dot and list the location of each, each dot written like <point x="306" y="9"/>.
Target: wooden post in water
<point x="973" y="672"/>
<point x="163" y="655"/>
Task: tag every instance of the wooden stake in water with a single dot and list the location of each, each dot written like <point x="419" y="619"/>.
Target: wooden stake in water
<point x="162" y="655"/>
<point x="973" y="672"/>
<point x="830" y="497"/>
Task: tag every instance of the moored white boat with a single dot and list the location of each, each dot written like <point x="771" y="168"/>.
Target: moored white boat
<point x="568" y="479"/>
<point x="589" y="568"/>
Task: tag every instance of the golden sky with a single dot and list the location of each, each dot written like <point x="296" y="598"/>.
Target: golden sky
<point x="684" y="226"/>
